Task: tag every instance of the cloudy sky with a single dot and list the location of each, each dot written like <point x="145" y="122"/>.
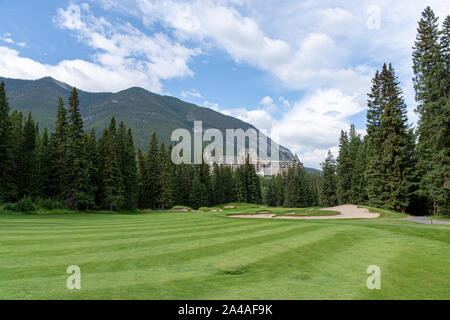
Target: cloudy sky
<point x="299" y="68"/>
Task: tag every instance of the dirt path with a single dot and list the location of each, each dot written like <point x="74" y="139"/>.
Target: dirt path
<point x="347" y="211"/>
<point x="427" y="220"/>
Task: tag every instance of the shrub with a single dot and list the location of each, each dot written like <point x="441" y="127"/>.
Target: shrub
<point x="24" y="205"/>
<point x="48" y="204"/>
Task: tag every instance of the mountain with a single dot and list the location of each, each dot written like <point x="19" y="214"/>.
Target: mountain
<point x="139" y="109"/>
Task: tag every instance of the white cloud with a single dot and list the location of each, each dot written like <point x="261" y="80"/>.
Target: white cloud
<point x="124" y="56"/>
<point x="284" y="101"/>
<point x="7" y="37"/>
<point x="260" y="118"/>
<point x="313" y="125"/>
<point x="211" y="105"/>
<point x="191" y="94"/>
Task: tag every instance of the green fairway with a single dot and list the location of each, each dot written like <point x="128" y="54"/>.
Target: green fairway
<point x="207" y="255"/>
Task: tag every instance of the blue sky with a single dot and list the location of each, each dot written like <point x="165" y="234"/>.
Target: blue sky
<point x="301" y="69"/>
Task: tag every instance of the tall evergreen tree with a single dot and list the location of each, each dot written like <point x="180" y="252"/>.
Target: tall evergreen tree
<point x="76" y="195"/>
<point x="59" y="150"/>
<point x="218" y="184"/>
<point x="129" y="169"/>
<point x="17" y="132"/>
<point x="253" y="187"/>
<point x="150" y="180"/>
<point x="28" y="150"/>
<point x="229" y="186"/>
<point x="42" y="183"/>
<point x="6" y="149"/>
<point x="167" y="195"/>
<point x="358" y="191"/>
<point x="328" y="195"/>
<point x="344" y="170"/>
<point x="430" y="66"/>
<point x="375" y="172"/>
<point x="112" y="179"/>
<point x="198" y="196"/>
<point x="292" y="197"/>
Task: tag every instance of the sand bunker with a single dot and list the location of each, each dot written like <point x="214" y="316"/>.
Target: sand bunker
<point x="348" y="211"/>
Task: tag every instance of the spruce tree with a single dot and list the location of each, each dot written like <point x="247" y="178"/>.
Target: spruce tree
<point x="218" y="184"/>
<point x="59" y="150"/>
<point x="328" y="195"/>
<point x="43" y="166"/>
<point x="167" y="195"/>
<point x="344" y="170"/>
<point x="229" y="186"/>
<point x="140" y="176"/>
<point x="359" y="194"/>
<point x="375" y="171"/>
<point x="28" y="149"/>
<point x="279" y="190"/>
<point x="252" y="184"/>
<point x="17" y="133"/>
<point x="240" y="184"/>
<point x="112" y="180"/>
<point x="7" y="190"/>
<point x="430" y="66"/>
<point x="75" y="195"/>
<point x="151" y="181"/>
<point x="130" y="173"/>
<point x="198" y="197"/>
<point x="292" y="192"/>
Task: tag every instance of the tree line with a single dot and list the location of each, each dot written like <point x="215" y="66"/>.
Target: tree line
<point x="295" y="188"/>
<point x="393" y="165"/>
<point x="83" y="173"/>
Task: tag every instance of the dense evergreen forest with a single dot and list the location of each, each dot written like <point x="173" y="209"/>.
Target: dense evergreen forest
<point x="71" y="166"/>
<point x="394" y="166"/>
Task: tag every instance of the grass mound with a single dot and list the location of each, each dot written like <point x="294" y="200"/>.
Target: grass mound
<point x="181" y="208"/>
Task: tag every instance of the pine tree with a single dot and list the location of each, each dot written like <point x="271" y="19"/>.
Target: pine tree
<point x="252" y="184"/>
<point x="167" y="195"/>
<point x="359" y="194"/>
<point x="7" y="190"/>
<point x="279" y="190"/>
<point x="205" y="178"/>
<point x="396" y="156"/>
<point x="328" y="195"/>
<point x="292" y="198"/>
<point x="344" y="170"/>
<point x="151" y="181"/>
<point x="375" y="172"/>
<point x="59" y="151"/>
<point x="229" y="185"/>
<point x="92" y="158"/>
<point x="140" y="176"/>
<point x="270" y="197"/>
<point x="43" y="166"/>
<point x="240" y="184"/>
<point x="112" y="180"/>
<point x="218" y="184"/>
<point x="430" y="66"/>
<point x="76" y="194"/>
<point x="198" y="197"/>
<point x="184" y="174"/>
<point x="17" y="133"/>
<point x="129" y="166"/>
<point x="28" y="150"/>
